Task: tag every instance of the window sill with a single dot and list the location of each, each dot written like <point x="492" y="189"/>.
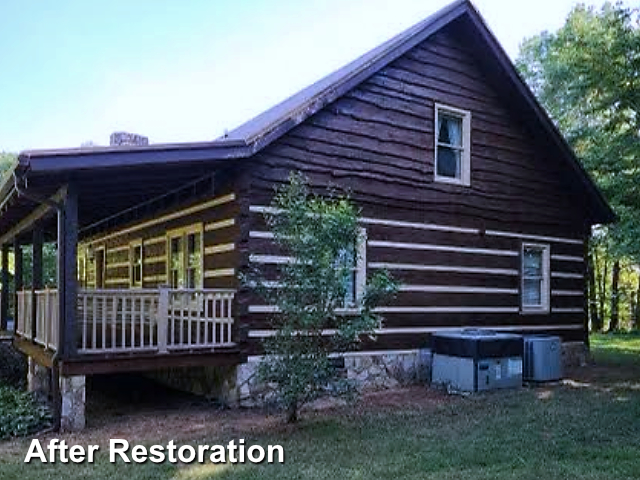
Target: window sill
<point x="451" y="181"/>
<point x="535" y="310"/>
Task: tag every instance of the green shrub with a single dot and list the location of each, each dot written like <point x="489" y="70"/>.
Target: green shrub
<point x="317" y="291"/>
<point x="13" y="366"/>
<point x="21" y="413"/>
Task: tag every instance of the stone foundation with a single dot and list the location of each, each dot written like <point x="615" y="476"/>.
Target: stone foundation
<point x="38" y="378"/>
<point x="239" y="386"/>
<point x="380" y="370"/>
<point x="73" y="393"/>
<point x="369" y="371"/>
<point x="247" y="388"/>
<point x="574" y="354"/>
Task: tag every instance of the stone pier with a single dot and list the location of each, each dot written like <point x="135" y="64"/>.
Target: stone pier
<point x="73" y="393"/>
<point x="38" y="378"/>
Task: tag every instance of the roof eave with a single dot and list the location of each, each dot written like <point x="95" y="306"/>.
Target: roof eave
<point x="41" y="161"/>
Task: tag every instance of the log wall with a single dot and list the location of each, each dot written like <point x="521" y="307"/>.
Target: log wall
<point x="455" y="250"/>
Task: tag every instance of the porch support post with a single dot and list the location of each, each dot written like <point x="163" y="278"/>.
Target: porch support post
<point x="67" y="276"/>
<point x="17" y="279"/>
<point x="4" y="293"/>
<point x="36" y="277"/>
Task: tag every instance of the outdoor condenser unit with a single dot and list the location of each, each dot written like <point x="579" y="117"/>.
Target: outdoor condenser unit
<point x="475" y="360"/>
<point x="542" y="358"/>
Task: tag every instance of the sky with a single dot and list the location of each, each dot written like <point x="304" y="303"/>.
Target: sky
<point x="73" y="71"/>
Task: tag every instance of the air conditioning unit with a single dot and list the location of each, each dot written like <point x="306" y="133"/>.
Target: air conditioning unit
<point x="542" y="358"/>
<point x="475" y="360"/>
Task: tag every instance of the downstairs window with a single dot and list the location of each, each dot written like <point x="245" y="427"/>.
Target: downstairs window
<point x="535" y="275"/>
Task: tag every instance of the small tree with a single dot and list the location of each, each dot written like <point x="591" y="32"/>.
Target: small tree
<point x="318" y="312"/>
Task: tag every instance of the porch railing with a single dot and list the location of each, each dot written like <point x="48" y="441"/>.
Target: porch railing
<point x="197" y="318"/>
<point x="117" y="320"/>
<point x="113" y="321"/>
<point x="47" y="323"/>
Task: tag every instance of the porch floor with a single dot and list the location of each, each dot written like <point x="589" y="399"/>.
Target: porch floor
<point x="88" y="364"/>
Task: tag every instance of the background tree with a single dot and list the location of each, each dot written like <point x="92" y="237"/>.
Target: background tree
<point x="587" y="76"/>
<point x="49" y="267"/>
<point x="321" y="236"/>
<point x="6" y="160"/>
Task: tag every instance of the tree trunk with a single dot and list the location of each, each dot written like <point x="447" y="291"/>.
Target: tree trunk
<point x="602" y="290"/>
<point x="614" y="324"/>
<point x="636" y="312"/>
<point x="596" y="319"/>
<point x="292" y="413"/>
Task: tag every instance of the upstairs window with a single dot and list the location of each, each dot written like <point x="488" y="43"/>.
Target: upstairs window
<point x="453" y="145"/>
<point x="135" y="264"/>
<point x="535" y="278"/>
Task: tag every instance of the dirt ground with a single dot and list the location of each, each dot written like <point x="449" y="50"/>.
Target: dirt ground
<point x="152" y="411"/>
<point x="138" y="409"/>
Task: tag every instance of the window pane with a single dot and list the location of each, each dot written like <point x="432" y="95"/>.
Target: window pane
<point x="449" y="130"/>
<point x="193" y="249"/>
<point x="448" y="162"/>
<point x="532" y="263"/>
<point x="531" y="292"/>
<point x="176" y="263"/>
<point x="194" y="260"/>
<point x="346" y="259"/>
<point x="175" y="245"/>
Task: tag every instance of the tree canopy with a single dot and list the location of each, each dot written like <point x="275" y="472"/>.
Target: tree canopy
<point x="587" y="76"/>
<point x="6" y="160"/>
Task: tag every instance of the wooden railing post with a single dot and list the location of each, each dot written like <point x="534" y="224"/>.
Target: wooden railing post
<point x="46" y="319"/>
<point x="4" y="294"/>
<point x="163" y="318"/>
<point x="17" y="280"/>
<point x="17" y="316"/>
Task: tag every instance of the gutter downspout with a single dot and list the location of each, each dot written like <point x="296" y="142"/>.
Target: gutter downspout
<point x="55" y="359"/>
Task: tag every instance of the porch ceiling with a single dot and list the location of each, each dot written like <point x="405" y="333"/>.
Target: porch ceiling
<point x="102" y="192"/>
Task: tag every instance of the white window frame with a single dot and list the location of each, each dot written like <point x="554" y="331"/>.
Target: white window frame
<point x="465" y="157"/>
<point x="545" y="294"/>
<point x="360" y="269"/>
<point x="82" y="267"/>
<point x="182" y="234"/>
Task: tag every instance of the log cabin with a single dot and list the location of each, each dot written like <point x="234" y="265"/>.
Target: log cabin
<point x="469" y="195"/>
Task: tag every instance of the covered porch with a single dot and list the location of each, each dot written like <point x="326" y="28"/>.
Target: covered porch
<point x="115" y="322"/>
<point x="61" y="198"/>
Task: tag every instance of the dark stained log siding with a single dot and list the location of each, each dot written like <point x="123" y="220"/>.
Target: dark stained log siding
<point x="219" y="268"/>
<point x="377" y="143"/>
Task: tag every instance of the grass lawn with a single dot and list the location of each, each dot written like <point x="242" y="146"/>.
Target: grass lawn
<point x="586" y="428"/>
